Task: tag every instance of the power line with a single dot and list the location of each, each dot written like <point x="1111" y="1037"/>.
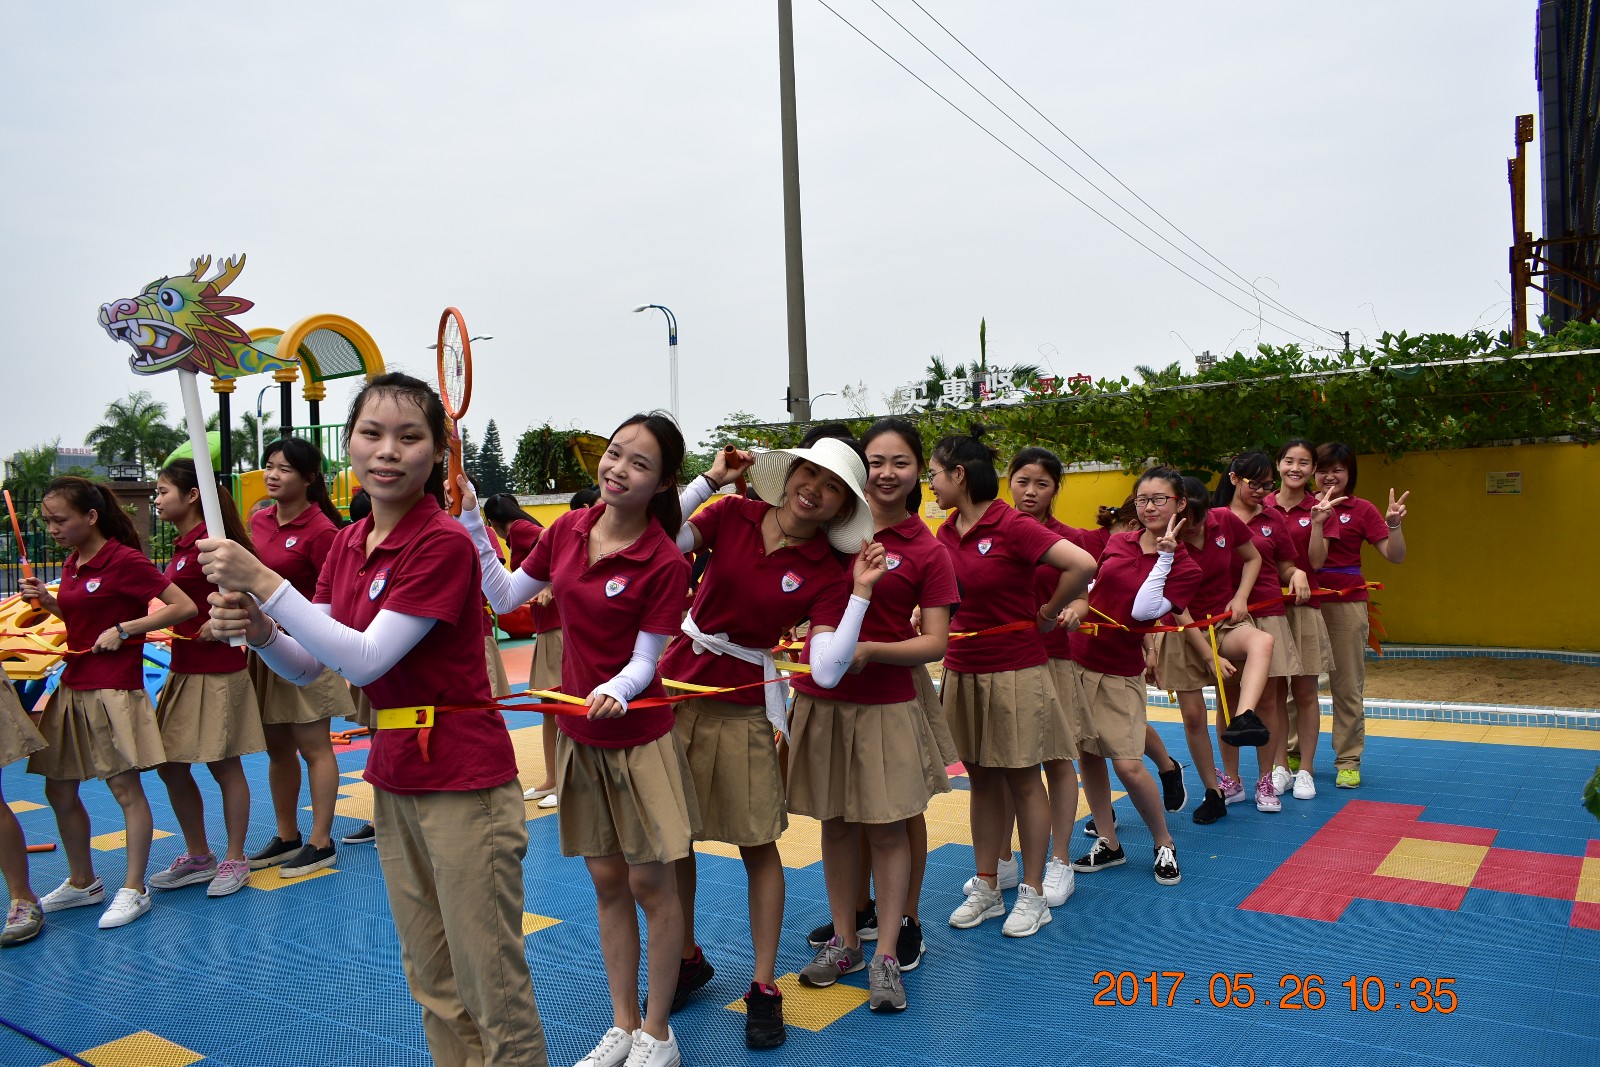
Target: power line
<point x="1278" y="304"/>
<point x="1053" y="181"/>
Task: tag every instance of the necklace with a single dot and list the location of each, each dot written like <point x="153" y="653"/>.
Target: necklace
<point x="784" y="535"/>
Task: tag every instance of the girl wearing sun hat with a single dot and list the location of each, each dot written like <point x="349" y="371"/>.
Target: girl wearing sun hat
<point x="776" y="561"/>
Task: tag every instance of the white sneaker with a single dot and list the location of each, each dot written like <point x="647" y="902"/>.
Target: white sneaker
<point x="66" y="895"/>
<point x="128" y="905"/>
<point x="981" y="904"/>
<point x="649" y="1052"/>
<point x="1007" y="875"/>
<point x="1028" y="914"/>
<point x="1281" y="780"/>
<point x="614" y="1050"/>
<point x="1059" y="882"/>
<point x="1305" y="788"/>
<point x="549" y="802"/>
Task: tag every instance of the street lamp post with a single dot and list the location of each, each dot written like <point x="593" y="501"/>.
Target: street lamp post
<point x="672" y="352"/>
<point x="260" y="444"/>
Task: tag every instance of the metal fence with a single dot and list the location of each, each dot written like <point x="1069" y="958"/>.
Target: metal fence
<point x="47" y="557"/>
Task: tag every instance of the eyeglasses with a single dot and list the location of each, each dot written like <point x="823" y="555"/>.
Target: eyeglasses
<point x="1263" y="486"/>
<point x="1157" y="501"/>
<point x="933" y="473"/>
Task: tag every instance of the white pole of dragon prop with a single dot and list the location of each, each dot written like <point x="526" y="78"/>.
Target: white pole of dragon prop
<point x="210" y="504"/>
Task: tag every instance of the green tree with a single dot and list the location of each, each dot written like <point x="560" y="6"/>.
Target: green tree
<point x="30" y="470"/>
<point x="729" y="432"/>
<point x="493" y="474"/>
<point x="241" y="438"/>
<point x="1171" y="374"/>
<point x="135" y="428"/>
<point x="470" y="459"/>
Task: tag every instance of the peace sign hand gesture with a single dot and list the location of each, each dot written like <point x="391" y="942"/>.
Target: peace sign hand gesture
<point x="1168" y="542"/>
<point x="1325" y="505"/>
<point x="1397" y="510"/>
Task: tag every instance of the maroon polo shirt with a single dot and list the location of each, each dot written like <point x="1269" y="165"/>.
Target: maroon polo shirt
<point x="919" y="575"/>
<point x="1355" y="521"/>
<point x="603" y="608"/>
<point x="426" y="567"/>
<point x="1224" y="534"/>
<point x="753" y="597"/>
<point x="1058" y="642"/>
<point x="1269" y="532"/>
<point x="294" y="550"/>
<point x="189" y="654"/>
<point x="1124" y="566"/>
<point x="524" y="535"/>
<point x="115" y="586"/>
<point x="995" y="564"/>
<point x="1297" y="522"/>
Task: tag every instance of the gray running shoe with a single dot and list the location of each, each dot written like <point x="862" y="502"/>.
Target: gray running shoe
<point x="883" y="979"/>
<point x="832" y="962"/>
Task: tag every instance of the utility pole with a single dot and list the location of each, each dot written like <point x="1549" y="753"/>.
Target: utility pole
<point x="799" y="397"/>
<point x="1521" y="239"/>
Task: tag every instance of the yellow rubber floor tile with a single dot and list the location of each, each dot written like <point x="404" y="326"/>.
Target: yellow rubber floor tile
<point x="1581" y="739"/>
<point x="532" y="924"/>
<point x="1449" y="731"/>
<point x="142" y="1049"/>
<point x="352" y="774"/>
<point x="1526" y="736"/>
<point x="268" y="878"/>
<point x="813" y="1009"/>
<point x="1413" y="729"/>
<point x="1442" y="862"/>
<point x="119" y="839"/>
<point x="20" y="806"/>
<point x="1589" y="881"/>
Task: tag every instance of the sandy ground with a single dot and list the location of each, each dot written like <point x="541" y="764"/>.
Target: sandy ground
<point x="1484" y="680"/>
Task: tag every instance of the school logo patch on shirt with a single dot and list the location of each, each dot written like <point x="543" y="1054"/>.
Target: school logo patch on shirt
<point x="985" y="545"/>
<point x="1345" y="517"/>
<point x="1222" y="542"/>
<point x="180" y="563"/>
<point x="379" y="580"/>
<point x="290" y="542"/>
<point x="891" y="561"/>
<point x="1305" y="522"/>
<point x="1266" y="531"/>
<point x="92" y="584"/>
<point x="792" y="581"/>
<point x="616" y="585"/>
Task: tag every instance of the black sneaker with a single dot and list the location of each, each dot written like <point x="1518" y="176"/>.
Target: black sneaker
<point x="1173" y="793"/>
<point x="1099" y="857"/>
<point x="1166" y="866"/>
<point x="1212" y="808"/>
<point x="277" y="851"/>
<point x="866" y="928"/>
<point x="1089" y="830"/>
<point x="908" y="947"/>
<point x="763" y="1019"/>
<point x="308" y="860"/>
<point x="364" y="836"/>
<point x="692" y="974"/>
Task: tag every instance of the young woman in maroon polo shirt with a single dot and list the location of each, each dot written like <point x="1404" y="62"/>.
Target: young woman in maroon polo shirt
<point x="626" y="803"/>
<point x="292" y="536"/>
<point x="863" y="758"/>
<point x="520" y="533"/>
<point x="207" y="711"/>
<point x="99" y="723"/>
<point x="18" y="738"/>
<point x="1143" y="575"/>
<point x="997" y="689"/>
<point x="395" y="611"/>
<point x="1349" y="522"/>
<point x="776" y="560"/>
<point x="1294" y="501"/>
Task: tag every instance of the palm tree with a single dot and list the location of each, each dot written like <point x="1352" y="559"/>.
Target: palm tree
<point x="1171" y="374"/>
<point x="135" y="428"/>
<point x="242" y="438"/>
<point x="29" y="471"/>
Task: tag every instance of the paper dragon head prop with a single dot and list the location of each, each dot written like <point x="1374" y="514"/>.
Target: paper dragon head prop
<point x="186" y="322"/>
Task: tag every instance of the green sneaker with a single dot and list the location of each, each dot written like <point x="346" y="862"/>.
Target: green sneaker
<point x="1348" y="778"/>
<point x="1294" y="763"/>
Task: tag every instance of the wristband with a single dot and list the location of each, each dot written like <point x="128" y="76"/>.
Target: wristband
<point x="1394" y="525"/>
<point x="124" y="634"/>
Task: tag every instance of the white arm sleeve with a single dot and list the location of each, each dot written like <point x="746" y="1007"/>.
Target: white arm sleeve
<point x="833" y="652"/>
<point x="357" y="656"/>
<point x="1148" y="602"/>
<point x="640" y="670"/>
<point x="506" y="590"/>
<point x="694" y="494"/>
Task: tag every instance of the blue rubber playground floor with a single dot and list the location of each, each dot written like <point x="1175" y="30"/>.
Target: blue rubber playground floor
<point x="1448" y="912"/>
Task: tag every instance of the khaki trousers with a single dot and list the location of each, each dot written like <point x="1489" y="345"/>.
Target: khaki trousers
<point x="452" y="863"/>
<point x="1348" y="627"/>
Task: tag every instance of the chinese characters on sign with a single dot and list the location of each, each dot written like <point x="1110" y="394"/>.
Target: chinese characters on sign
<point x="997" y="386"/>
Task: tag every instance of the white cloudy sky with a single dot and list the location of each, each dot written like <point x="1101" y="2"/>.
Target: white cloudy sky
<point x="546" y="166"/>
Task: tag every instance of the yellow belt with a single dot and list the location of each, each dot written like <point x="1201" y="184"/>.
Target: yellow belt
<point x="418" y="718"/>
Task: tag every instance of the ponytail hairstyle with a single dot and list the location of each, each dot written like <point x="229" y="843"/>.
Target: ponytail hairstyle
<point x="907" y="432"/>
<point x="403" y="387"/>
<point x="1250" y="467"/>
<point x="84" y="496"/>
<point x="502" y="509"/>
<point x="1199" y="502"/>
<point x="971" y="454"/>
<point x="1041" y="456"/>
<point x="1337" y="452"/>
<point x="664" y="504"/>
<point x="1127" y="516"/>
<point x="181" y="475"/>
<point x="306" y="459"/>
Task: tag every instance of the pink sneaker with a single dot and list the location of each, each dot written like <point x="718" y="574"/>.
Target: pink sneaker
<point x="1267" y="795"/>
<point x="185" y="870"/>
<point x="1232" y="792"/>
<point x="232" y="876"/>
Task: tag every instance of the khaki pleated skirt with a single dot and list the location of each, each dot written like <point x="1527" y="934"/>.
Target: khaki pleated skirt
<point x="863" y="763"/>
<point x="1181" y="669"/>
<point x="733" y="760"/>
<point x="1115" y="714"/>
<point x="281" y="701"/>
<point x="1285" y="655"/>
<point x="546" y="672"/>
<point x="18" y="736"/>
<point x="637" y="801"/>
<point x="1069" y="690"/>
<point x="97" y="733"/>
<point x="499" y="680"/>
<point x="362" y="715"/>
<point x="933" y="711"/>
<point x="206" y="717"/>
<point x="1311" y="643"/>
<point x="1008" y="718"/>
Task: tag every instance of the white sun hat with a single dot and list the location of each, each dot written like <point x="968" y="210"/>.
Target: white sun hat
<point x="771" y="469"/>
